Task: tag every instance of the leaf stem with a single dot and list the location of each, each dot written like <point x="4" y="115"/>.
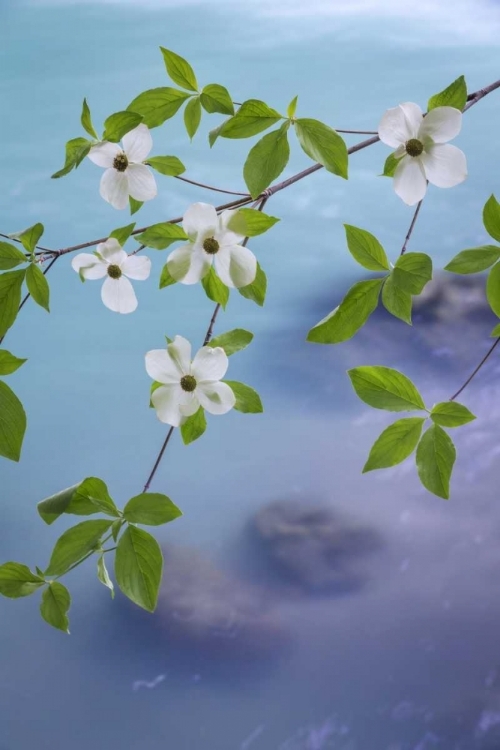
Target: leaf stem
<point x="410" y="230"/>
<point x="474" y="373"/>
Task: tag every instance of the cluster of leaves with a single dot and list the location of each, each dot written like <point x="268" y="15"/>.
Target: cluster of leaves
<point x="138" y="561"/>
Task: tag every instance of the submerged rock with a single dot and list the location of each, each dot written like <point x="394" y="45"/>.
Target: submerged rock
<point x="313" y="546"/>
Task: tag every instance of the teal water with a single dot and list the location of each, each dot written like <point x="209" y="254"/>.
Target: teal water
<point x="365" y="670"/>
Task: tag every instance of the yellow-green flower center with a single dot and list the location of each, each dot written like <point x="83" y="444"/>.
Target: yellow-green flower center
<point x="114" y="271"/>
<point x="120" y="162"/>
<point x="414" y="147"/>
<point x="188" y="383"/>
<point x="211" y="246"/>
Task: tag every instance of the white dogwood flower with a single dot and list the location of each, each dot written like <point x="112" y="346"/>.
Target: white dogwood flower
<point x="210" y="241"/>
<point x="421" y="145"/>
<point x="112" y="261"/>
<point x="125" y="173"/>
<point x="188" y="385"/>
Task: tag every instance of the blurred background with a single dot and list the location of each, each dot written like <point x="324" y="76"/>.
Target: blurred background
<point x="305" y="605"/>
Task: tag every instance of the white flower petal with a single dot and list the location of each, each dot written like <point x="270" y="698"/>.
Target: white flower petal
<point x="441" y="124"/>
<point x="104" y="154"/>
<point x="210" y="363"/>
<point x="141" y="182"/>
<point x="216" y="398"/>
<point x="167" y="401"/>
<point x="236" y="265"/>
<point x="230" y="237"/>
<point x="112" y="251"/>
<point x="119" y="295"/>
<point x="190" y="405"/>
<point x="200" y="218"/>
<point x="180" y="353"/>
<point x="136" y="267"/>
<point x="399" y="124"/>
<point x="161" y="367"/>
<point x="188" y="264"/>
<point x="114" y="188"/>
<point x="137" y="143"/>
<point x="89" y="265"/>
<point x="444" y="165"/>
<point x="409" y="180"/>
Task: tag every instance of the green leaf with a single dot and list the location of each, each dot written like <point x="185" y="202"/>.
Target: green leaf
<point x="75" y="543"/>
<point x="86" y="120"/>
<point x="247" y="399"/>
<point x="158" y="105"/>
<point x="116" y="528"/>
<point x="290" y="110"/>
<point x="94" y="490"/>
<point x="215" y="289"/>
<point x="192" y="116"/>
<point x="120" y="123"/>
<point x="491" y="217"/>
<point x="256" y="291"/>
<point x="216" y="98"/>
<point x="267" y="160"/>
<point x="451" y="414"/>
<point x="454" y="95"/>
<point x="167" y="165"/>
<point x="76" y="151"/>
<point x="10" y="298"/>
<point x="83" y="499"/>
<point x="385" y="388"/>
<point x="474" y="260"/>
<point x="322" y="144"/>
<point x="165" y="278"/>
<point x="38" y="286"/>
<point x="134" y="205"/>
<point x="52" y="507"/>
<point x="123" y="233"/>
<point x="194" y="426"/>
<point x="395" y="443"/>
<point x="249" y="222"/>
<point x="412" y="272"/>
<point x="138" y="567"/>
<point x="232" y="341"/>
<point x="151" y="509"/>
<point x="493" y="289"/>
<point x="496" y="331"/>
<point x="390" y="166"/>
<point x="215" y="133"/>
<point x="436" y="455"/>
<point x="351" y="315"/>
<point x="252" y="117"/>
<point x="12" y="423"/>
<point x="103" y="575"/>
<point x="9" y="363"/>
<point x="55" y="605"/>
<point x="10" y="256"/>
<point x="366" y="249"/>
<point x="160" y="236"/>
<point x="30" y="237"/>
<point x="179" y="70"/>
<point x="17" y="580"/>
<point x="396" y="300"/>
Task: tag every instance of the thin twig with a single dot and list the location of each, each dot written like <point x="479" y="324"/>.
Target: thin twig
<point x="410" y="230"/>
<point x="210" y="187"/>
<point x="473" y="375"/>
<point x="37" y="247"/>
<point x="357" y="132"/>
<point x="158" y="459"/>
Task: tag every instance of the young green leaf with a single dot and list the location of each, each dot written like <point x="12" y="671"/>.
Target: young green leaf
<point x="158" y="105"/>
<point x="179" y="70"/>
<point x="10" y="256"/>
<point x="12" y="423"/>
<point x="390" y="166"/>
<point x="10" y="298"/>
<point x="165" y="278"/>
<point x="54" y="506"/>
<point x="351" y="315"/>
<point x="192" y="116"/>
<point x="84" y="499"/>
<point x="215" y="133"/>
<point x="194" y="427"/>
<point x="17" y="580"/>
<point x="9" y="363"/>
<point x="474" y="260"/>
<point x="216" y="98"/>
<point x="120" y="123"/>
<point x="95" y="491"/>
<point x="256" y="291"/>
<point x="491" y="217"/>
<point x="454" y="95"/>
<point x="451" y="414"/>
<point x="412" y="272"/>
<point x="496" y="331"/>
<point x="292" y="107"/>
<point x="493" y="289"/>
<point x="103" y="575"/>
<point x="215" y="289"/>
<point x="75" y="543"/>
<point x="251" y="118"/>
<point x="247" y="399"/>
<point x="436" y="455"/>
<point x="160" y="236"/>
<point x="116" y="528"/>
<point x="266" y="160"/>
<point x="38" y="286"/>
<point x="395" y="443"/>
<point x="86" y="121"/>
<point x="249" y="222"/>
<point x="366" y="249"/>
<point x="138" y="567"/>
<point x="76" y="151"/>
<point x="323" y="144"/>
<point x="134" y="205"/>
<point x="123" y="233"/>
<point x="151" y="509"/>
<point x="30" y="237"/>
<point x="385" y="388"/>
<point x="55" y="605"/>
<point x="232" y="341"/>
<point x="170" y="166"/>
<point x="396" y="300"/>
